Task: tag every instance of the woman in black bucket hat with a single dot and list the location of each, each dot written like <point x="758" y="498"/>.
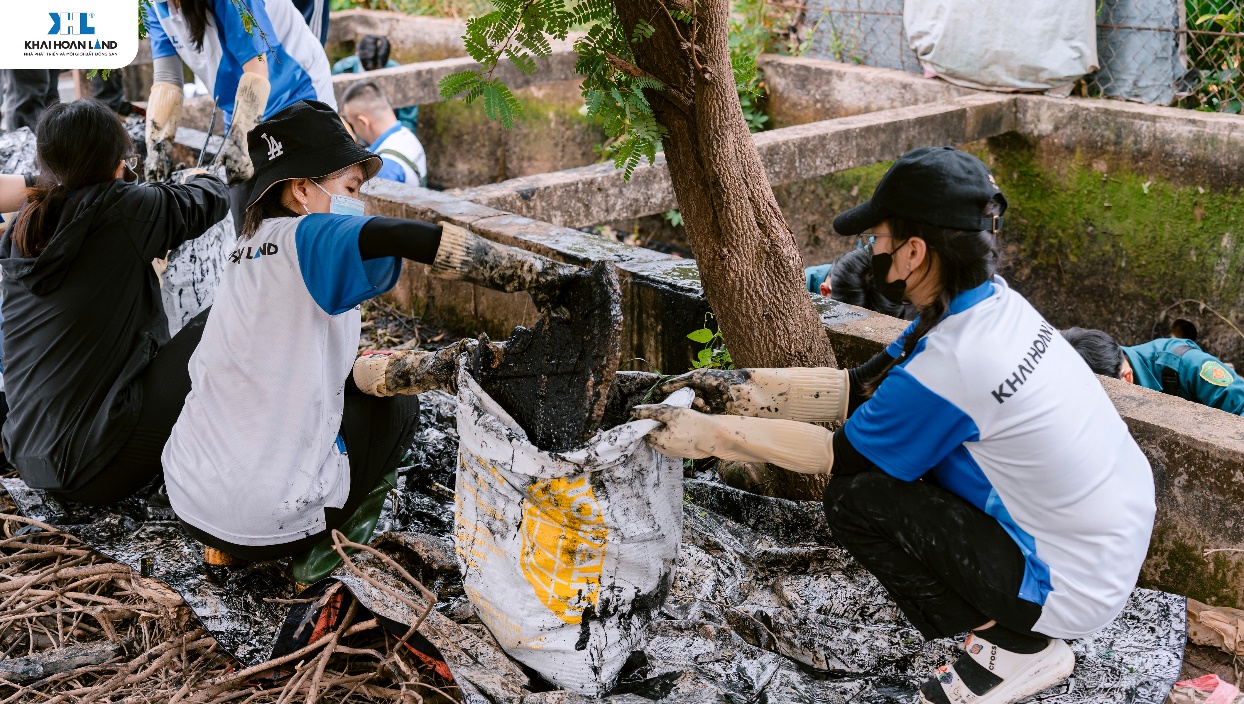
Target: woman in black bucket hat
<point x="981" y="474"/>
<point x="277" y="445"/>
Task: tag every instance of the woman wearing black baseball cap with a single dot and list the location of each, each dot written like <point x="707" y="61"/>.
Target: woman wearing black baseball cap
<point x="982" y="474"/>
<point x="276" y="445"/>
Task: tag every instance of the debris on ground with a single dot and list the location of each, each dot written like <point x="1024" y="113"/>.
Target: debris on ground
<point x="755" y="576"/>
<point x="17" y="152"/>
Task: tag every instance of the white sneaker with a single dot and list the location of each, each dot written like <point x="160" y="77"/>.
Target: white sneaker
<point x="987" y="674"/>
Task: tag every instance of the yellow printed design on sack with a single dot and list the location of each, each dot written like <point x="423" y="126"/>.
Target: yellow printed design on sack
<point x="564" y="538"/>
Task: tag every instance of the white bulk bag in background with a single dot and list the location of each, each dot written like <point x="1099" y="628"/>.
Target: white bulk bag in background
<point x="565" y="557"/>
<point x="1034" y="45"/>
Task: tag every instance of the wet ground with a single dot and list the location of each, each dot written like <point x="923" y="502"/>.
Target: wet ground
<point x="765" y="607"/>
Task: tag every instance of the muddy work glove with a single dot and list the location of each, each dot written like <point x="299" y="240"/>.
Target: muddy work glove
<point x="799" y="447"/>
<point x="248" y="107"/>
<point x="468" y="257"/>
<point x="810" y="395"/>
<point x="411" y="371"/>
<point x="163" y="117"/>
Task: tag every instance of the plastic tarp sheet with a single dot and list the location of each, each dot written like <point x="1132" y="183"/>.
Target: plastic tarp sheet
<point x="764" y="605"/>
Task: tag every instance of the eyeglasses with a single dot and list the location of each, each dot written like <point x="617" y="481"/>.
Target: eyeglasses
<point x="131" y="163"/>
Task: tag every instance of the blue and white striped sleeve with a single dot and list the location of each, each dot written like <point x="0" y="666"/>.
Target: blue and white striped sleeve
<point x="906" y="429"/>
<point x="332" y="268"/>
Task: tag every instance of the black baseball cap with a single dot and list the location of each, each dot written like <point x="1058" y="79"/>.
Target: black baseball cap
<point x="940" y="186"/>
<point x="305" y="140"/>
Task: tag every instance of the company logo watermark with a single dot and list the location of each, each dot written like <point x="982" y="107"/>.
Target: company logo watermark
<point x="69" y="24"/>
<point x="72" y="23"/>
<point x="86" y="34"/>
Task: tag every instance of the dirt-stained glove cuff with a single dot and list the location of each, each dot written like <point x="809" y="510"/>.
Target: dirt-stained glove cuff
<point x="453" y="257"/>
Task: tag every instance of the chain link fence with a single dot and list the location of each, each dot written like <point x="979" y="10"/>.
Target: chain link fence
<point x="1185" y="53"/>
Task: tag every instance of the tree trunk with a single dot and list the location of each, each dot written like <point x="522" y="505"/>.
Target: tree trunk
<point x="750" y="266"/>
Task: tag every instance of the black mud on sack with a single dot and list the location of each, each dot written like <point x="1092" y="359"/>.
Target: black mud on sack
<point x="554" y="377"/>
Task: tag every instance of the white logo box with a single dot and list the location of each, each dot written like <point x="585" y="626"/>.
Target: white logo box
<point x="68" y="34"/>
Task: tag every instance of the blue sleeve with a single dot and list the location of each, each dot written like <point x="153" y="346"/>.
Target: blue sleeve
<point x="237" y="42"/>
<point x="1211" y="382"/>
<point x="391" y="170"/>
<point x="814" y="276"/>
<point x="161" y="45"/>
<point x="350" y="64"/>
<point x="332" y="268"/>
<point x="906" y="429"/>
<point x="894" y="349"/>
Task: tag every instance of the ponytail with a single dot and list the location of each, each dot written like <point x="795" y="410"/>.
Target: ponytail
<point x="32" y="229"/>
<point x="964" y="260"/>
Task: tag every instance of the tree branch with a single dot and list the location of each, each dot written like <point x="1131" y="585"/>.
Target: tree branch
<point x="675" y="98"/>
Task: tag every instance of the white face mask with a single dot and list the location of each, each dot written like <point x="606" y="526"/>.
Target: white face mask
<point x="341" y="205"/>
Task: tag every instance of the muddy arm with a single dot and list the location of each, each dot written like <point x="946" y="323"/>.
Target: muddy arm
<point x="413" y="371"/>
<point x="464" y="256"/>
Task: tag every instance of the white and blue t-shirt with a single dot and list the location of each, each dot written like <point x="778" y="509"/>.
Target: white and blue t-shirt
<point x="256" y="455"/>
<point x="402" y="154"/>
<point x="996" y="407"/>
<point x="297" y="66"/>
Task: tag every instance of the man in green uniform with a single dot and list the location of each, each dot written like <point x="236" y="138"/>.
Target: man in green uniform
<point x="1172" y="365"/>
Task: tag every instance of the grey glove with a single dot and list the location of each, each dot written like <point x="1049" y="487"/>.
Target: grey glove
<point x="465" y="256"/>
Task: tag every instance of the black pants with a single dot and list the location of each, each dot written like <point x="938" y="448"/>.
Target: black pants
<point x="377" y="432"/>
<point x="949" y="566"/>
<point x="165" y="384"/>
<point x="26" y="93"/>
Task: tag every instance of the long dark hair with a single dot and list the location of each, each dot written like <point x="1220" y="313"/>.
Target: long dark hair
<point x="271" y="205"/>
<point x="964" y="260"/>
<point x="79" y="144"/>
<point x="195" y="12"/>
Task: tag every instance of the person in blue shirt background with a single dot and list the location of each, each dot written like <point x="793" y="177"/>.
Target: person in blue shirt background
<point x="1172" y="365"/>
<point x="372" y="53"/>
<point x="373" y="121"/>
<point x="257" y="57"/>
<point x="981" y="474"/>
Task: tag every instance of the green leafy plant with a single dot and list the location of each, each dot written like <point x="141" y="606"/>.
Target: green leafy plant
<point x="1215" y="49"/>
<point x="714" y="355"/>
<point x="673" y="217"/>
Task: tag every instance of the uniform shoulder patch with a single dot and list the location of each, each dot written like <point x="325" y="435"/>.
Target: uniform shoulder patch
<point x="1216" y="374"/>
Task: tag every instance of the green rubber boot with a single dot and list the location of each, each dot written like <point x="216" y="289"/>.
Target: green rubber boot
<point x="317" y="562"/>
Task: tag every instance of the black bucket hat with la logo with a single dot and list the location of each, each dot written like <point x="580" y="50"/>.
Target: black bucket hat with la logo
<point x="305" y="140"/>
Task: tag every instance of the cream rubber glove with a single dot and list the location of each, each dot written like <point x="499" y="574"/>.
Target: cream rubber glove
<point x="465" y="256"/>
<point x="248" y="107"/>
<point x="810" y="395"/>
<point x="799" y="447"/>
<point x="163" y="117"/>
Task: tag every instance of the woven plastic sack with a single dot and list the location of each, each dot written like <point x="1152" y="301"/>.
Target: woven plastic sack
<point x="188" y="284"/>
<point x="1029" y="45"/>
<point x="566" y="557"/>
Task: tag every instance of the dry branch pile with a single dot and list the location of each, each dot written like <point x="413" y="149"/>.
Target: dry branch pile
<point x="76" y="627"/>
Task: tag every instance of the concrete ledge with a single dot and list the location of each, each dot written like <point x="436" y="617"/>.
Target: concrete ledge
<point x="801" y="90"/>
<point x="598" y="193"/>
<point x="416" y="84"/>
<point x="412" y="38"/>
<point x="1186" y="146"/>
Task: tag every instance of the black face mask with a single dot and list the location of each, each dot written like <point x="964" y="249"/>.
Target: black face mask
<point x="892" y="291"/>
